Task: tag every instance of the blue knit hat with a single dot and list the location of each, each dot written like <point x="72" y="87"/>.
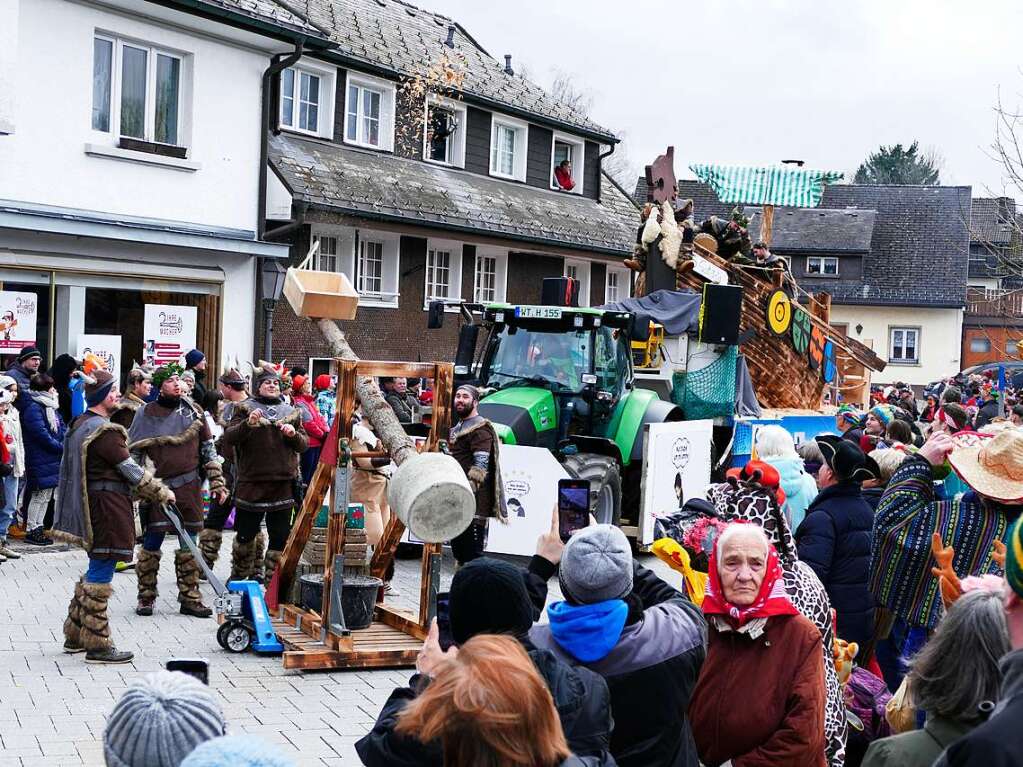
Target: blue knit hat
<point x="193" y="358"/>
<point x="159" y="720"/>
<point x="237" y="751"/>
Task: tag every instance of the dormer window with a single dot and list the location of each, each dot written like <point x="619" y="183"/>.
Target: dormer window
<point x="508" y="146"/>
<point x="369" y="112"/>
<point x="567" y="158"/>
<point x="307" y="103"/>
<point x="444" y="133"/>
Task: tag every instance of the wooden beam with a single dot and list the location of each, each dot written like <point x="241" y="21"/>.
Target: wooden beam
<point x="397" y="369"/>
<point x="315" y="493"/>
<point x="400" y="621"/>
<point x="767" y="224"/>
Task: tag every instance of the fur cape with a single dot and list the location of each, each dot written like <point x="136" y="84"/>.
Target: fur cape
<point x="500" y="502"/>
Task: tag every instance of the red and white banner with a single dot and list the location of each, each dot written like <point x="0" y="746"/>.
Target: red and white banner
<point x="17" y="320"/>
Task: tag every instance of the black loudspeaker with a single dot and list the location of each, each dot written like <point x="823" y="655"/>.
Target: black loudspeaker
<point x="559" y="291"/>
<point x="467" y="336"/>
<point x="720" y="314"/>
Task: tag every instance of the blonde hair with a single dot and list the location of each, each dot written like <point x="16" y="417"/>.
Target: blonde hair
<point x="888" y="461"/>
<point x="489" y="707"/>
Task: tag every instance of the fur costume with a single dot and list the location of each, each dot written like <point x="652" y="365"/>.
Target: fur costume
<point x="463" y="444"/>
<point x="73" y="622"/>
<point x="95" y="624"/>
<point x="147" y="570"/>
<point x="209" y="544"/>
<point x="671" y="239"/>
<point x="731" y="235"/>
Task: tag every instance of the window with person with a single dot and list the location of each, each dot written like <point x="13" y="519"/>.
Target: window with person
<point x="442" y="134"/>
<point x="566" y="162"/>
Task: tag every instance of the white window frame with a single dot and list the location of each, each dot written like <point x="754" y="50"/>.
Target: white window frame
<point x="822" y="262"/>
<point x="521" y="129"/>
<point x="578" y="148"/>
<point x="387" y="99"/>
<point x="892" y="330"/>
<point x="349" y="244"/>
<point x="453" y="247"/>
<point x="325" y="104"/>
<point x="624" y="286"/>
<point x="582" y="274"/>
<point x="456" y="142"/>
<point x="184" y="58"/>
<point x="500" y="258"/>
<point x="319" y="261"/>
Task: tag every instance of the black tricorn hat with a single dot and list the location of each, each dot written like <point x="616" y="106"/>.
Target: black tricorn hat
<point x="846" y="460"/>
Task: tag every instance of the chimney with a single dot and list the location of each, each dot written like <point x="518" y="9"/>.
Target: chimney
<point x="507" y="64"/>
<point x="450" y="42"/>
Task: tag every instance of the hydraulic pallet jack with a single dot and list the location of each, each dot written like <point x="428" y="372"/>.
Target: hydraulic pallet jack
<point x="241" y="607"/>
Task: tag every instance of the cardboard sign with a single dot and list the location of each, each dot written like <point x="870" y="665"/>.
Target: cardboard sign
<point x="17" y="320"/>
<point x="168" y="333"/>
<point x="106" y="348"/>
<point x="530" y="477"/>
<point x="676" y="468"/>
<point x="709" y="271"/>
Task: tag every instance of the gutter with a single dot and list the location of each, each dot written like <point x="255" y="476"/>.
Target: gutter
<point x="291" y="226"/>
<point x="244" y="21"/>
<point x="600" y="168"/>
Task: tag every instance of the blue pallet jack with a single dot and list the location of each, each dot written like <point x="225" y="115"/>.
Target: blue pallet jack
<point x="245" y="621"/>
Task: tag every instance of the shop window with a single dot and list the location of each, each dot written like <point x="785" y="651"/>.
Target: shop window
<point x="490" y="281"/>
<point x="369" y="112"/>
<point x="567" y="159"/>
<point x="616" y="284"/>
<point x="443" y="271"/>
<point x="508" y="140"/>
<point x="904" y="345"/>
<point x="444" y="135"/>
<point x="826" y="265"/>
<point x="981" y="346"/>
<point x="579" y="270"/>
<point x="137" y="91"/>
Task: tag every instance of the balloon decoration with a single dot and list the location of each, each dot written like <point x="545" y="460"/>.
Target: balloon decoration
<point x="807" y="339"/>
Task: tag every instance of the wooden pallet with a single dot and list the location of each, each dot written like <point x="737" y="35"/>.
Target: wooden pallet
<point x="380" y="646"/>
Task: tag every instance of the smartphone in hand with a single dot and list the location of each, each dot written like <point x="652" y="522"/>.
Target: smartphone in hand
<point x="444" y="620"/>
<point x="573" y="506"/>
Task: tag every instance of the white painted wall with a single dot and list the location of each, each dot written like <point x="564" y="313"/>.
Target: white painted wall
<point x="941" y="333"/>
<point x="45" y="160"/>
<point x="8" y="62"/>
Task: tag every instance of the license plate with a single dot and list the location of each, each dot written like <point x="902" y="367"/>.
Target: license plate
<point x="538" y="312"/>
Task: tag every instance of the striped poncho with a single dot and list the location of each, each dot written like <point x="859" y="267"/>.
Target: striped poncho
<point x="907" y="515"/>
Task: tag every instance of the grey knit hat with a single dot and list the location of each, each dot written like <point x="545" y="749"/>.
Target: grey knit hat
<point x="159" y="720"/>
<point x="596" y="565"/>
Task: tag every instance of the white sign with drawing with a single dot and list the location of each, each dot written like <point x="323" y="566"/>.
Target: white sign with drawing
<point x="676" y="468"/>
<point x="106" y="348"/>
<point x="168" y="333"/>
<point x="17" y="320"/>
<point x="530" y="476"/>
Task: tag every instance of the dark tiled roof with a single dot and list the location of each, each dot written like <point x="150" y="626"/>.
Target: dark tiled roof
<point x="274" y="12"/>
<point x="989" y="220"/>
<point x="404" y="39"/>
<point x="382" y="186"/>
<point x="919" y="241"/>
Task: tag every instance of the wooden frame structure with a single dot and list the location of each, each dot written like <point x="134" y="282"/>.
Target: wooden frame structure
<point x="315" y="640"/>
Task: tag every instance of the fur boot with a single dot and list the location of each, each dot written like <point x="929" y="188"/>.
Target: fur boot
<point x="147" y="569"/>
<point x="95" y="632"/>
<point x="246" y="559"/>
<point x="209" y="544"/>
<point x="270" y="562"/>
<point x="73" y="622"/>
<point x="187" y="570"/>
<point x="258" y="564"/>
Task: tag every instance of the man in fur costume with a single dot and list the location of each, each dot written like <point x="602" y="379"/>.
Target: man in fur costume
<point x="732" y="236"/>
<point x="94" y="510"/>
<point x="667" y="233"/>
<point x="266" y="437"/>
<point x="233" y="386"/>
<point x="171" y="436"/>
<point x="474" y="444"/>
<point x="140" y="384"/>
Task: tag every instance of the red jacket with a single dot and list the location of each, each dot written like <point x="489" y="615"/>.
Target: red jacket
<point x="564" y="179"/>
<point x="760" y="702"/>
<point x="312" y="421"/>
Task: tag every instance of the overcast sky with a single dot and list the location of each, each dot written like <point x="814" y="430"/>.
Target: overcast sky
<point x="758" y="81"/>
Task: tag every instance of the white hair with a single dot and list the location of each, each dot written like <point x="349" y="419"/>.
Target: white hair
<point x="741" y="530"/>
<point x="774" y="442"/>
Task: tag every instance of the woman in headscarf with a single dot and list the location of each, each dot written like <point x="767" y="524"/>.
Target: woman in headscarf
<point x="760" y="695"/>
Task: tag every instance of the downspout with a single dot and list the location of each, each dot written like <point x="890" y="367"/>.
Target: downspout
<point x="278" y="64"/>
<point x="296" y="222"/>
<point x="600" y="167"/>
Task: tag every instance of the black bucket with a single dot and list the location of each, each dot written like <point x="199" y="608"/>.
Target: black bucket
<point x="358" y="597"/>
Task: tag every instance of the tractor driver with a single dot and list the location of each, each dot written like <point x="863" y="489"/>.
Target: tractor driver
<point x="555" y="360"/>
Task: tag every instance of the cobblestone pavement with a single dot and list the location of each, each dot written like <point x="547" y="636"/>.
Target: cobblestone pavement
<point x="53" y="706"/>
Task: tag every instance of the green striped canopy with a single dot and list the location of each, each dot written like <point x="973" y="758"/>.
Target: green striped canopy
<point x="779" y="185"/>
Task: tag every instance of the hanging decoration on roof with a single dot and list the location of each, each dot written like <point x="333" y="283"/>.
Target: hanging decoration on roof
<point x="766" y="185"/>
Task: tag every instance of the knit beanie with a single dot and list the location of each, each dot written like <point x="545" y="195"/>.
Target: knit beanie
<point x="27" y="353"/>
<point x="322" y="382"/>
<point x="237" y="751"/>
<point x="884" y="413"/>
<point x="489" y="596"/>
<point x="159" y="720"/>
<point x="98" y="390"/>
<point x="1014" y="557"/>
<point x="297" y="383"/>
<point x="471" y="390"/>
<point x="596" y="565"/>
<point x="193" y="358"/>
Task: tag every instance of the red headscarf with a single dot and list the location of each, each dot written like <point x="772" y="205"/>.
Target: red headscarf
<point x="771" y="599"/>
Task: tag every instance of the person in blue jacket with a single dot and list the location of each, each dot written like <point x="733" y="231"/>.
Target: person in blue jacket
<point x="835" y="536"/>
<point x="43" y="432"/>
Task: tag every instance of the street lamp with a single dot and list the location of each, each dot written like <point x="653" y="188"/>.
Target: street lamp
<point x="272" y="282"/>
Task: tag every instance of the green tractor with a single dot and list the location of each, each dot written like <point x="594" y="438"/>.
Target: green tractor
<point x="561" y="378"/>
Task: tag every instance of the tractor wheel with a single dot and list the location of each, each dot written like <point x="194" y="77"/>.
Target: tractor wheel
<point x="605" y="484"/>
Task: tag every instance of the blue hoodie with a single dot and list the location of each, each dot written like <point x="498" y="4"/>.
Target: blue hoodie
<point x="588" y="632"/>
<point x="800" y="488"/>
